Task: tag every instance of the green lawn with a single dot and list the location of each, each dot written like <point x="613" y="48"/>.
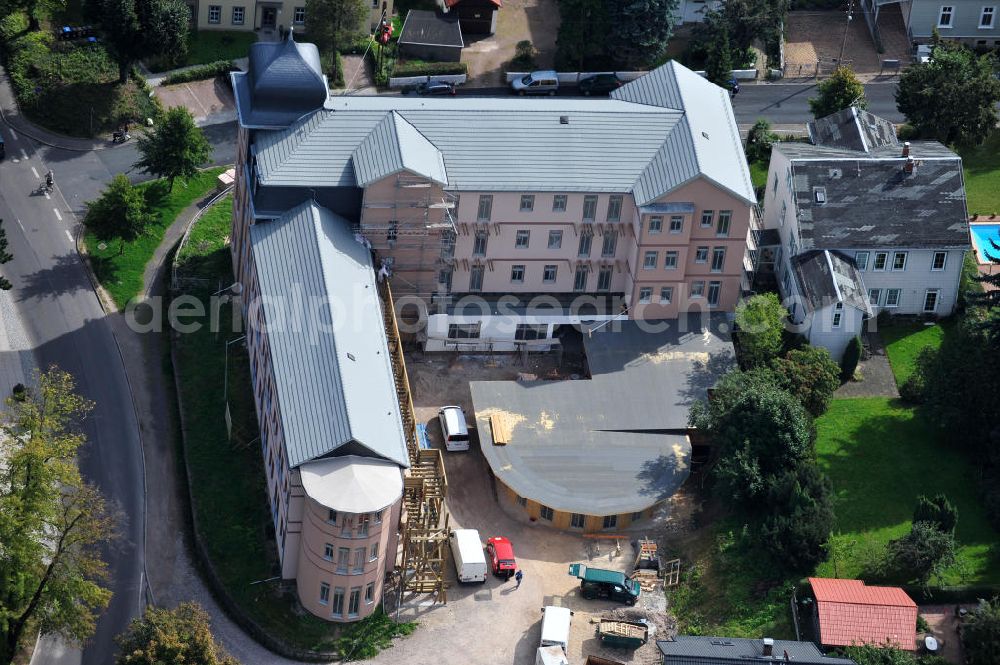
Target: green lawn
<point x="905" y="341"/>
<point x="982" y="176"/>
<point x="758" y="173"/>
<point x="880" y="455"/>
<point x="205" y="46"/>
<point x="121" y="274"/>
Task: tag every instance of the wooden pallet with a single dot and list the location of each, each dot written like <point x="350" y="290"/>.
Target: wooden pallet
<point x="672" y="574"/>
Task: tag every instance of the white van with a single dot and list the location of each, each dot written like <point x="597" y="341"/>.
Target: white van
<point x="550" y="656"/>
<point x="555" y="627"/>
<point x="467" y="551"/>
<point x="454" y="428"/>
<point x="536" y="83"/>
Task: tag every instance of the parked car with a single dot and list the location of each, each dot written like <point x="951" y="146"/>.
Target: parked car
<point x="435" y="88"/>
<point x="454" y="428"/>
<point x="599" y="84"/>
<point x="536" y="83"/>
<point x="610" y="584"/>
<point x="500" y="553"/>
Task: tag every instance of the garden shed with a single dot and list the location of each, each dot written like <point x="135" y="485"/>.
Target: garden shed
<point x="434" y="36"/>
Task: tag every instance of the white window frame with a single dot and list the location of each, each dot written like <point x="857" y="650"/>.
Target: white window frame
<point x="951" y="16"/>
<point x="586" y="241"/>
<point x="937" y="299"/>
<point x="550" y="268"/>
<point x="725" y="223"/>
<point x="666" y="295"/>
<point x="885" y="262"/>
<point x="373" y="552"/>
<point x="464" y="331"/>
<point x="527" y="203"/>
<point x="896" y="255"/>
<point x="645" y="294"/>
<point x="328" y="551"/>
<point x="324" y="593"/>
<point x="890" y="302"/>
<point x="577" y="521"/>
<point x="559" y="202"/>
<point x="216" y="11"/>
<point x="522" y="239"/>
<point x="480" y="243"/>
<point x="555" y="239"/>
<point x="874" y="302"/>
<point x="477" y="274"/>
<point x="991" y="12"/>
<point x="714" y="302"/>
<point x="716" y="253"/>
<point x="243" y="14"/>
<point x="615" y="202"/>
<point x="485" y="210"/>
<point x="656" y="228"/>
<point x="546" y="513"/>
<point x="589" y="208"/>
<point x="670" y="259"/>
<point x="607" y="271"/>
<point x="861" y="263"/>
<point x="580" y="278"/>
<point x="944" y="261"/>
<point x="707" y="218"/>
<point x="701" y="255"/>
<point x="838" y="314"/>
<point x="698" y="289"/>
<point x="679" y="219"/>
<point x="517" y="267"/>
<point x="370" y="593"/>
<point x="649" y="260"/>
<point x="299" y="15"/>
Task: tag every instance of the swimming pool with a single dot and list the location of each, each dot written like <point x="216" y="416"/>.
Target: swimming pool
<point x="981" y="236"/>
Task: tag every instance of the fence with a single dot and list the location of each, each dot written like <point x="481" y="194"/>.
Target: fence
<point x="403" y="81"/>
<point x="573" y="78"/>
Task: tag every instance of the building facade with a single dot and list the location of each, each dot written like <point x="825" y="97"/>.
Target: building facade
<point x="267" y="14"/>
<point x="972" y="22"/>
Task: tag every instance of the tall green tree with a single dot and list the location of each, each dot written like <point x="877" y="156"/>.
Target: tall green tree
<point x="938" y="512"/>
<point x="175" y="149"/>
<point x="51" y="522"/>
<point x="137" y="29"/>
<point x="840" y="91"/>
<point x="811" y="375"/>
<point x="719" y="59"/>
<point x="981" y="634"/>
<point x="761" y="320"/>
<point x="760" y="138"/>
<point x="922" y="553"/>
<point x="119" y="214"/>
<point x="5" y="257"/>
<point x="582" y="32"/>
<point x="638" y="31"/>
<point x="335" y="23"/>
<point x="798" y="517"/>
<point x="171" y="636"/>
<point x="953" y="97"/>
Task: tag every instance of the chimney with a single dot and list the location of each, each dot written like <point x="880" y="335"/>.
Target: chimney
<point x="906" y="149"/>
<point x="908" y="166"/>
<point x="768" y="647"/>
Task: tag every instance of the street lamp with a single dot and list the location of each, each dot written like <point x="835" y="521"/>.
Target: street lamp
<point x="225" y="386"/>
<point x="847" y="30"/>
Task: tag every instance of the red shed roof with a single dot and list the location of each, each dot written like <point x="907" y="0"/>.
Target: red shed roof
<point x="852" y="613"/>
<point x="452" y="3"/>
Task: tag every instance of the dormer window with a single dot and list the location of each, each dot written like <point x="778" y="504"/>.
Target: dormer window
<point x="819" y="195"/>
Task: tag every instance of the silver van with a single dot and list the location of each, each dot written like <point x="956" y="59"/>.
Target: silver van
<point x="536" y="83"/>
<point x="454" y="428"/>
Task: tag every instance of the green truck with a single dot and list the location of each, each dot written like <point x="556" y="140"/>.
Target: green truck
<point x="600" y="583"/>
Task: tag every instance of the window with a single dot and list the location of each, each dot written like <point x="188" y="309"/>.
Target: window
<point x="986" y="17"/>
<point x="239" y="13"/>
<point x="637" y="516"/>
<point x="944" y="18"/>
<point x="527" y="202"/>
<point x="838" y="314"/>
<point x="669" y="260"/>
<point x="531" y="331"/>
<point x="549" y="274"/>
<point x="615" y="208"/>
<point x="707" y="217"/>
<point x="718" y="259"/>
<point x="676" y="223"/>
<point x="555" y="239"/>
<point x="355" y="602"/>
<point x="649" y="260"/>
<point x="299" y="15"/>
<point x="476" y="274"/>
<point x="666" y="295"/>
<point x="328" y="552"/>
<point x="604" y="279"/>
<point x="359" y="560"/>
<point x="874" y="295"/>
<point x="583" y="249"/>
<point x="610" y="244"/>
<point x="931" y="300"/>
<point x="338" y="601"/>
<point x="701" y="255"/>
<point x="819" y="194"/>
<point x="444" y="279"/>
<point x="646" y="294"/>
<point x="589" y="208"/>
<point x="464" y="330"/>
<point x="580" y="279"/>
<point x="861" y="259"/>
<point x="881" y="258"/>
<point x="521" y="501"/>
<point x="331" y="517"/>
<point x="892" y="298"/>
<point x="655" y="224"/>
<point x="714" y="289"/>
<point x="370" y="593"/>
<point x="697" y="289"/>
<point x="215" y="13"/>
<point x="373" y="552"/>
<point x="899" y="261"/>
<point x="725" y="220"/>
<point x="610" y="522"/>
<point x="576" y="521"/>
<point x="485" y="207"/>
<point x="939" y="261"/>
<point x="517" y="274"/>
<point x="343" y="559"/>
<point x="324" y="593"/>
<point x="546" y="513"/>
<point x="480" y="243"/>
<point x="363" y="522"/>
<point x="522" y="239"/>
<point x="559" y="203"/>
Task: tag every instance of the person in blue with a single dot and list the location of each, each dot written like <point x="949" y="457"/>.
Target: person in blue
<point x="518" y="576"/>
<point x="734" y="87"/>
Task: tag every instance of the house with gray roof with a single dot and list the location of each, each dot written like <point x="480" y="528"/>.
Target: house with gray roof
<point x="697" y="650"/>
<point x="857" y="212"/>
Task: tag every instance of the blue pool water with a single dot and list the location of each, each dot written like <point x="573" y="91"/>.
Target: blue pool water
<point x="981" y="235"/>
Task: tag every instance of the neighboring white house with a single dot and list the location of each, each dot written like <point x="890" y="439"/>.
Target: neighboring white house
<point x="895" y="213"/>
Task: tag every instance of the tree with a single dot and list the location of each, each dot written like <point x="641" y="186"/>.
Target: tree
<point x="581" y="33"/>
<point x="951" y="98"/>
<point x="811" y="375"/>
<point x="849" y="361"/>
<point x="34" y="9"/>
<point x="840" y="91"/>
<point x="923" y="552"/>
<point x="760" y="138"/>
<point x="981" y="634"/>
<point x="799" y="517"/>
<point x="638" y="30"/>
<point x="5" y="257"/>
<point x="176" y="149"/>
<point x="137" y="29"/>
<point x="180" y="635"/>
<point x="335" y="22"/>
<point x="121" y="213"/>
<point x="718" y="59"/>
<point x="938" y="512"/>
<point x="51" y="521"/>
<point x="761" y="320"/>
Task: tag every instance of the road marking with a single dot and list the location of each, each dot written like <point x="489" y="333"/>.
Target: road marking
<point x="20" y="224"/>
<point x="24" y="154"/>
<point x="14" y="134"/>
<point x="34" y="172"/>
<point x="68" y="234"/>
<point x="56" y="211"/>
<point x="47" y="195"/>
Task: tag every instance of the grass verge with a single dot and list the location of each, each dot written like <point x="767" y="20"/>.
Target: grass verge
<point x="905" y="341"/>
<point x="207" y="46"/>
<point x="982" y="176"/>
<point x="121" y="274"/>
<point x="758" y="173"/>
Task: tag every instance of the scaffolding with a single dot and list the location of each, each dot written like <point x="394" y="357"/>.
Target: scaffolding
<point x="424" y="556"/>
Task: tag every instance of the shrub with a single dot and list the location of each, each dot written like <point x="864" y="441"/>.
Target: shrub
<point x="810" y="375"/>
<point x="849" y="362"/>
<point x="421" y="68"/>
<point x="12" y="26"/>
<point x="922" y="626"/>
<point x="338" y="71"/>
<point x="200" y="72"/>
<point x="761" y="321"/>
<point x="907" y="132"/>
<point x="759" y="141"/>
<point x="981" y="634"/>
<point x="938" y="512"/>
<point x="921" y="553"/>
<point x="912" y="390"/>
<point x="524" y="57"/>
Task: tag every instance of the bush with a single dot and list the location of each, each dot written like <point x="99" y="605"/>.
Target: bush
<point x="338" y="72"/>
<point x="981" y="634"/>
<point x="524" y="57"/>
<point x="907" y="132"/>
<point x="759" y="141"/>
<point x="912" y="390"/>
<point x="810" y="375"/>
<point x="761" y="321"/>
<point x="938" y="512"/>
<point x="421" y="68"/>
<point x="923" y="552"/>
<point x="849" y="363"/>
<point x="12" y="26"/>
<point x="201" y="72"/>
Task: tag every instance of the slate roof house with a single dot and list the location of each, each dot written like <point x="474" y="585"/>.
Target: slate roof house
<point x="855" y="214"/>
<point x="849" y="612"/>
<point x="691" y="650"/>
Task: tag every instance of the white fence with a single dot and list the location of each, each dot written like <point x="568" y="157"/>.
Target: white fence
<point x="404" y="81"/>
<point x="573" y="78"/>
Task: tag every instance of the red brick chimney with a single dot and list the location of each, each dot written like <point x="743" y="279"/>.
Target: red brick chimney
<point x="908" y="166"/>
<point x="906" y="149"/>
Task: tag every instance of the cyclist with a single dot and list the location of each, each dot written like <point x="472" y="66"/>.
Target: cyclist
<point x="49" y="180"/>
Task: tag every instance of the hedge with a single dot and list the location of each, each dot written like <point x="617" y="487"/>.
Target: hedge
<point x="200" y="72"/>
<point x="421" y="68"/>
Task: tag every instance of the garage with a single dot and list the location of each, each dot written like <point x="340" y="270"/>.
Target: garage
<point x="478" y="17"/>
<point x="431" y="36"/>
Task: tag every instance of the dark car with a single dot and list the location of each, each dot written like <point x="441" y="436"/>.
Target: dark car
<point x="435" y="88"/>
<point x="599" y="84"/>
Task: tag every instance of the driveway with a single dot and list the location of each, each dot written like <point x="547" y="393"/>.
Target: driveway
<point x="534" y="20"/>
<point x="210" y="102"/>
<point x="816" y="37"/>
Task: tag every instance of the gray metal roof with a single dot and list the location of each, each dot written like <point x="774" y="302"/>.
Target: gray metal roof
<point x="691" y="650"/>
<point x="283" y="82"/>
<point x="517" y="144"/>
<point x="871" y="202"/>
<point x="329" y="352"/>
<point x="852" y="129"/>
<point x="395" y="145"/>
<point x="826" y="278"/>
<point x="629" y="419"/>
<point x="428" y="28"/>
